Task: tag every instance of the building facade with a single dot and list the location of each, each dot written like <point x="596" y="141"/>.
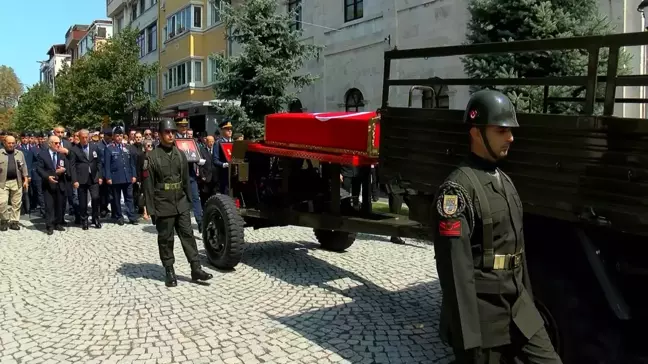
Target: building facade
<point x="191" y="31"/>
<point x="356" y="33"/>
<point x="98" y="33"/>
<point x="58" y="57"/>
<point x="143" y="16"/>
<point x="72" y="37"/>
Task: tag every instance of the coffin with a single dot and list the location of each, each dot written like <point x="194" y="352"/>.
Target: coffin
<point x="356" y="133"/>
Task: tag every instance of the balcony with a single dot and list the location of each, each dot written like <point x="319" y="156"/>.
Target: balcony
<point x="114" y="6"/>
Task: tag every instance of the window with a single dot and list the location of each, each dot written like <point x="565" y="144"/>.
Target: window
<point x="197" y="17"/>
<point x="211" y="70"/>
<point x="120" y="23"/>
<point x="352" y="10"/>
<point x="295" y="6"/>
<point x="151" y="86"/>
<point x="151" y="38"/>
<point x="141" y="42"/>
<point x="353" y="100"/>
<point x="134" y="13"/>
<point x="214" y="12"/>
<point x="197" y="75"/>
<point x="184" y="74"/>
<point x="142" y="6"/>
<point x="181" y="21"/>
<point x="153" y="2"/>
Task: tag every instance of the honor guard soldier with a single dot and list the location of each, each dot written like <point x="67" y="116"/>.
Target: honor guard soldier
<point x="488" y="314"/>
<point x="168" y="201"/>
<point x="120" y="174"/>
<point x="194" y="172"/>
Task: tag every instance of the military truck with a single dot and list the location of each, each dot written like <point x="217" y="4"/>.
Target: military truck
<point x="583" y="180"/>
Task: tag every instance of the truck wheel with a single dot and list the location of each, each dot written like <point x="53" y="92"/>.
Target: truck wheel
<point x="581" y="329"/>
<point x="222" y="232"/>
<point x="337" y="241"/>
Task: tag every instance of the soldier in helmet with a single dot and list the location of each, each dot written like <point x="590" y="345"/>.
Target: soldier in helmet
<point x="167" y="195"/>
<point x="488" y="314"/>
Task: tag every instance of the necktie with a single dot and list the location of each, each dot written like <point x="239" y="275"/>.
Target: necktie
<point x="54" y="159"/>
<point x="86" y="149"/>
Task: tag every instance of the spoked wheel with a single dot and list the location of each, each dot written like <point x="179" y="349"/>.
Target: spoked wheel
<point x="223" y="232"/>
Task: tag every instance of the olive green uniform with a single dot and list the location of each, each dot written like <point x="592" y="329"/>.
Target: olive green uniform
<point x="168" y="198"/>
<point x="488" y="314"/>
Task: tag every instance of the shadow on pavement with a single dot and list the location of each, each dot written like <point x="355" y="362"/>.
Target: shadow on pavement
<point x="376" y="326"/>
<point x="150" y="271"/>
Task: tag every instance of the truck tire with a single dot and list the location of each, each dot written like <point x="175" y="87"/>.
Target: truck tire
<point x="581" y="327"/>
<point x="222" y="232"/>
<point x="333" y="240"/>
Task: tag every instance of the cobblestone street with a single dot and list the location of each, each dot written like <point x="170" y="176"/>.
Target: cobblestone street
<point x="99" y="296"/>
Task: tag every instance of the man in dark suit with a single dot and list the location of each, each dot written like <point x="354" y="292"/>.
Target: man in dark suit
<point x="207" y="184"/>
<point x="65" y="147"/>
<point x="86" y="158"/>
<point x="26" y="148"/>
<point x="52" y="166"/>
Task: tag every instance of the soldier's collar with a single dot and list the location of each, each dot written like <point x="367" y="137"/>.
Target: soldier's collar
<point x="481" y="163"/>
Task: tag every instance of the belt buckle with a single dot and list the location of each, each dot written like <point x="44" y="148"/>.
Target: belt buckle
<point x="500" y="262"/>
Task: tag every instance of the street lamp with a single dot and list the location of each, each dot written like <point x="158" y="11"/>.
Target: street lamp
<point x="129" y="96"/>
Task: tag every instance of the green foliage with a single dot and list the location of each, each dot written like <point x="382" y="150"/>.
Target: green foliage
<point x="36" y="110"/>
<point x="96" y="85"/>
<point x="267" y="67"/>
<point x="6" y="117"/>
<point x="497" y="21"/>
<point x="10" y="87"/>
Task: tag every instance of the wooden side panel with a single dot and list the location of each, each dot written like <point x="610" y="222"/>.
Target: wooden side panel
<point x="563" y="166"/>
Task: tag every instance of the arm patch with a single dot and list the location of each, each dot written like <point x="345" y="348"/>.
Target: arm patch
<point x="451" y="199"/>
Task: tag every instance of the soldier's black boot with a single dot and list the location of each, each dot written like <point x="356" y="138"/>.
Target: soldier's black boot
<point x="198" y="274"/>
<point x="4" y="225"/>
<point x="171" y="279"/>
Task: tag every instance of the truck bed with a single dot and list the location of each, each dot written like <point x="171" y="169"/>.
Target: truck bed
<point x="589" y="168"/>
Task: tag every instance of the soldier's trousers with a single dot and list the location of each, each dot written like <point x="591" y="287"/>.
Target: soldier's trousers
<point x="38" y="198"/>
<point x="181" y="223"/>
<point x="537" y="350"/>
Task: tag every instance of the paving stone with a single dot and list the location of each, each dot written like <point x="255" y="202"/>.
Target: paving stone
<point x="103" y="300"/>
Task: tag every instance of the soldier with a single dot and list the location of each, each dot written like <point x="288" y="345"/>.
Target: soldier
<point x="120" y="172"/>
<point x="168" y="202"/>
<point x="195" y="170"/>
<point x="219" y="158"/>
<point x="487" y="314"/>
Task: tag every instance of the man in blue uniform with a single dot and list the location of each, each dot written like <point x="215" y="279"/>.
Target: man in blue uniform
<point x="220" y="160"/>
<point x="194" y="172"/>
<point x="120" y="173"/>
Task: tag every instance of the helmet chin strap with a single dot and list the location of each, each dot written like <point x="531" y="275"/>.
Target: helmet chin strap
<point x="482" y="131"/>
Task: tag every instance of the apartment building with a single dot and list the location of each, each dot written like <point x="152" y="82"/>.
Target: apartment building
<point x="98" y="33"/>
<point x="141" y="15"/>
<point x="191" y="31"/>
<point x="72" y="37"/>
<point x="58" y="57"/>
<point x="356" y="33"/>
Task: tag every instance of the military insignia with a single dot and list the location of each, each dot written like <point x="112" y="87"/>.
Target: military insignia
<point x="145" y="164"/>
<point x="450" y="227"/>
<point x="450" y="204"/>
<point x="473" y="114"/>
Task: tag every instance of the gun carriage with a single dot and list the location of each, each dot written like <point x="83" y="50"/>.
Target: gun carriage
<point x="583" y="180"/>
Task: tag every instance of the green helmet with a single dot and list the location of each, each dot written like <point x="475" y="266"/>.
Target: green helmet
<point x="167" y="124"/>
<point x="489" y="107"/>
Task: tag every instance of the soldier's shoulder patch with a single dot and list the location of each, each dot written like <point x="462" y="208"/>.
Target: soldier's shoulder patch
<point x="451" y="199"/>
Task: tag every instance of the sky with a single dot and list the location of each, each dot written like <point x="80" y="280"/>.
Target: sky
<point x="29" y="28"/>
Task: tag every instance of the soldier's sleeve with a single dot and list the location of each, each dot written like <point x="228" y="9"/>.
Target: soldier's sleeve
<point x="148" y="185"/>
<point x="454" y="218"/>
<point x="107" y="173"/>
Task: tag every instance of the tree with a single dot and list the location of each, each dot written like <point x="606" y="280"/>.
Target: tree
<point x="6" y="117"/>
<point x="36" y="110"/>
<point x="10" y="87"/>
<point x="497" y="21"/>
<point x="266" y="68"/>
<point x="96" y="85"/>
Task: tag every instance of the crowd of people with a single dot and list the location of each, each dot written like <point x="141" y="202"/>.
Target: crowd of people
<point x="51" y="174"/>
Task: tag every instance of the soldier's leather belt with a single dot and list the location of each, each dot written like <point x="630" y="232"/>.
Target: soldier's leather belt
<point x="169" y="186"/>
<point x="508" y="261"/>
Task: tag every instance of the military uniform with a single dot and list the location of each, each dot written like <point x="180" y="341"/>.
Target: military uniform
<point x="120" y="169"/>
<point x="488" y="314"/>
<point x="221" y="162"/>
<point x="194" y="171"/>
<point x="168" y="200"/>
